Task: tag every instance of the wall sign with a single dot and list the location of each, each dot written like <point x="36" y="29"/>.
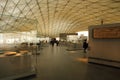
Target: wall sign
<point x="106" y="32"/>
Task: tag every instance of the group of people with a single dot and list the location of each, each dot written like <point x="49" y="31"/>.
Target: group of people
<point x="85" y="44"/>
<point x="54" y="41"/>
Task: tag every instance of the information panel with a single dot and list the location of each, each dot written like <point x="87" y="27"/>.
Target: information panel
<point x="106" y="32"/>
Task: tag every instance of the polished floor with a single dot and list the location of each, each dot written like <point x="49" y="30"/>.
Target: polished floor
<point x="56" y="63"/>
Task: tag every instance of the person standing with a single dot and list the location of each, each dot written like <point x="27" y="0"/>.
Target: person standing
<point x="57" y="42"/>
<point x="52" y="41"/>
<point x="85" y="45"/>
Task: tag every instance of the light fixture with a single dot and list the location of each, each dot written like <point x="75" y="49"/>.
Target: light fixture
<point x="16" y="20"/>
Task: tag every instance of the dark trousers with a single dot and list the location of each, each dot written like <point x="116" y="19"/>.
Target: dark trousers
<point x="85" y="50"/>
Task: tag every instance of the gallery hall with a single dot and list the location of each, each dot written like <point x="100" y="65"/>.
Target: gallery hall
<point x="59" y="39"/>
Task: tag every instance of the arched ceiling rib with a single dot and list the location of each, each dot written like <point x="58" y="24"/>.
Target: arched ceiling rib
<point x="56" y="16"/>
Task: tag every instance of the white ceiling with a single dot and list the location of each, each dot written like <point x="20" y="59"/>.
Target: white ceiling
<point x="51" y="17"/>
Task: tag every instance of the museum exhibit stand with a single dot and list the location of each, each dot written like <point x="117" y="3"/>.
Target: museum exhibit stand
<point x="104" y="43"/>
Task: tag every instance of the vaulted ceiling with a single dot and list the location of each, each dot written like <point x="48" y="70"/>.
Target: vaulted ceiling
<point x="51" y="17"/>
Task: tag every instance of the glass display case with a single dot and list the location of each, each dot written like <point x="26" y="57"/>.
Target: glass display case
<point x="17" y="56"/>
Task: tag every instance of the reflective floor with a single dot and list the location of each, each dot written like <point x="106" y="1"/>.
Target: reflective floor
<point x="56" y="63"/>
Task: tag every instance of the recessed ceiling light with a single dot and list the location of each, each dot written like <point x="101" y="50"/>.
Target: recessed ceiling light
<point x="93" y="0"/>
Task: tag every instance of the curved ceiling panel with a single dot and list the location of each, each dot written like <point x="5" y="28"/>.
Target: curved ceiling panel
<point x="52" y="17"/>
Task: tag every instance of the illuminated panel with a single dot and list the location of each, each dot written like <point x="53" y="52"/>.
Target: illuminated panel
<point x="107" y="32"/>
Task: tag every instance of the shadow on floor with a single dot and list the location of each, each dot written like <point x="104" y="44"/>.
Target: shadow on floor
<point x="28" y="77"/>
